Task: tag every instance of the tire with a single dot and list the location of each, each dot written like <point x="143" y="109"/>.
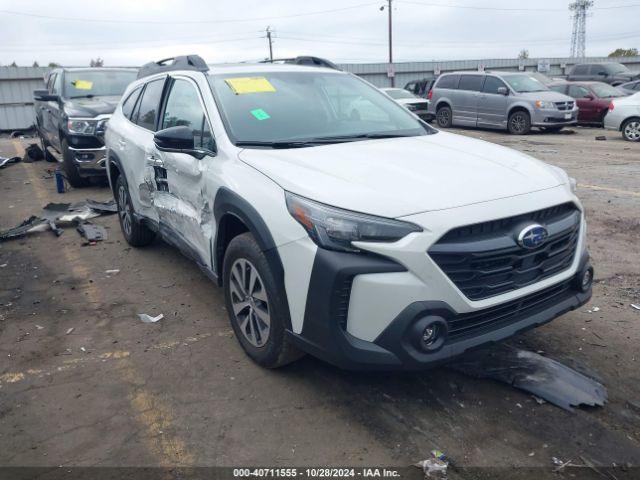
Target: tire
<point x="70" y="168"/>
<point x="519" y="123"/>
<point x="135" y="233"/>
<point x="256" y="305"/>
<point x="631" y="130"/>
<point x="552" y="129"/>
<point x="444" y="117"/>
<point x="47" y="156"/>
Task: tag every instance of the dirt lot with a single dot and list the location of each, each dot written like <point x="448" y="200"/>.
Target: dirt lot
<point x="117" y="392"/>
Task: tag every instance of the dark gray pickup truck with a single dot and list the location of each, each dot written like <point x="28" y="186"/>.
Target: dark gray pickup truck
<point x="71" y="116"/>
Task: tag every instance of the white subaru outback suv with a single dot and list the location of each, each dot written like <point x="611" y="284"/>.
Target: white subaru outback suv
<point x="337" y="222"/>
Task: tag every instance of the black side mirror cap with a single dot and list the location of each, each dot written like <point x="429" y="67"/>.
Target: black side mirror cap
<point x="45" y="96"/>
<point x="179" y="139"/>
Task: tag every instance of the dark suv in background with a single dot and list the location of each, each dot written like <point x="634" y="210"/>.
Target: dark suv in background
<point x="71" y="115"/>
<point x="612" y="73"/>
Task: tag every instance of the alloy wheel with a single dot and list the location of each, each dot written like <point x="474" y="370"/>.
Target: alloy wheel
<point x="632" y="131"/>
<point x="124" y="210"/>
<point x="443" y="117"/>
<point x="518" y="123"/>
<point x="250" y="303"/>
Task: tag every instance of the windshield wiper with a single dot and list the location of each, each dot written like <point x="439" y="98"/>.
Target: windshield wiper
<point x="361" y="136"/>
<point x="88" y="95"/>
<point x="276" y="144"/>
<point x="316" y="141"/>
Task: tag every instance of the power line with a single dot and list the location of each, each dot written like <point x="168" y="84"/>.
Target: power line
<point x="185" y="22"/>
<point x="508" y="9"/>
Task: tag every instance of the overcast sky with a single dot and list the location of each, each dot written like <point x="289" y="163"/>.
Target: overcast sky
<point x="131" y="32"/>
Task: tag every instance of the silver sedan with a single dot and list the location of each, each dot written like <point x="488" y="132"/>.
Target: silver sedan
<point x="624" y="116"/>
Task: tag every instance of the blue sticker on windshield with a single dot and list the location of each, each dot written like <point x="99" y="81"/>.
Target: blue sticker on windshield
<point x="260" y="114"/>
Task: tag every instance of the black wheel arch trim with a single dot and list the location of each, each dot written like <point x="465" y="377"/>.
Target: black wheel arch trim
<point x="228" y="202"/>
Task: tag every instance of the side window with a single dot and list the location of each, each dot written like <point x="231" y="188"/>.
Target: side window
<point x="448" y="81"/>
<point x="130" y="102"/>
<point x="492" y="84"/>
<point x="597" y="69"/>
<point x="183" y="108"/>
<point x="580" y="70"/>
<point x="470" y="82"/>
<point x="149" y="104"/>
<point x="577" y="92"/>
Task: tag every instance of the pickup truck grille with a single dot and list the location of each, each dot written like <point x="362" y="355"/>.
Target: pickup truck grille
<point x="484" y="260"/>
<point x="564" y="105"/>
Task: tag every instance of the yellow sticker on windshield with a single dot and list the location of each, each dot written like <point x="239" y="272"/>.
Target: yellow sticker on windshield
<point x="243" y="85"/>
<point x="82" y="84"/>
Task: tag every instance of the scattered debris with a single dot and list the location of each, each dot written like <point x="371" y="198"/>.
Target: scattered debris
<point x="39" y="327"/>
<point x="69" y="330"/>
<point x="8" y="161"/>
<point x="595" y="309"/>
<point x="92" y="232"/>
<point x="33" y="153"/>
<point x="30" y="225"/>
<point x="4" y="265"/>
<point x="83" y="349"/>
<point x="114" y="271"/>
<point x="637" y="307"/>
<point x="109" y="206"/>
<point x="434" y="467"/>
<point x="149" y="319"/>
<point x="601" y="137"/>
<point x="543" y="377"/>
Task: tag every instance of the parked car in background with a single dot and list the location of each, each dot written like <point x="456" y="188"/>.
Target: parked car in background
<point x="371" y="242"/>
<point x="71" y="115"/>
<point x="607" y="72"/>
<point x="624" y="116"/>
<point x="421" y="87"/>
<point x="416" y="105"/>
<point x="507" y="100"/>
<point x="630" y="87"/>
<point x="593" y="99"/>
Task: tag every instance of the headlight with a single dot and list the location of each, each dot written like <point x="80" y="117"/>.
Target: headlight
<point x="573" y="184"/>
<point x="82" y="127"/>
<point x="335" y="229"/>
<point x="545" y="105"/>
<point x="412" y="107"/>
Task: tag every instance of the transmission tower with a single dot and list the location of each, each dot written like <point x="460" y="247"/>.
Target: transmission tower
<point x="579" y="9"/>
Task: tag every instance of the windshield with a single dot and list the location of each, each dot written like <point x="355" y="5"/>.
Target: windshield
<point x="306" y="106"/>
<point x="606" y="91"/>
<point x="615" y="68"/>
<point x="542" y="78"/>
<point x="399" y="93"/>
<point x="94" y="83"/>
<point x="524" y="83"/>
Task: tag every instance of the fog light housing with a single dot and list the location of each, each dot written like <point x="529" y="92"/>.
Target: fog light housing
<point x="429" y="333"/>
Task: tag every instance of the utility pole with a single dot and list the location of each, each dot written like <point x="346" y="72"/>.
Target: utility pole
<point x="391" y="72"/>
<point x="270" y="44"/>
<point x="579" y="9"/>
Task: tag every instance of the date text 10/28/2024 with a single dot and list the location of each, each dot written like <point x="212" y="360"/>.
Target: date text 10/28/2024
<point x="364" y="472"/>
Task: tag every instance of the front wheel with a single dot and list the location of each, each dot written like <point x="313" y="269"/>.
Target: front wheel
<point x="444" y="117"/>
<point x="519" y="123"/>
<point x="631" y="130"/>
<point x="135" y="232"/>
<point x="256" y="304"/>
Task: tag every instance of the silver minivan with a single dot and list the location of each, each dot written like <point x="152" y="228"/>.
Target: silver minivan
<point x="507" y="100"/>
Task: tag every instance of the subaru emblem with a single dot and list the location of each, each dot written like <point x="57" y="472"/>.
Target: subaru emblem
<point x="532" y="236"/>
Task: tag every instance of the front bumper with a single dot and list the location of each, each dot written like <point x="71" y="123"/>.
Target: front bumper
<point x="554" y="118"/>
<point x="397" y="347"/>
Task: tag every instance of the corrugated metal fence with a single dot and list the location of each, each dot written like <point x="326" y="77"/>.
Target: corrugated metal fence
<point x="376" y="73"/>
<point x="16" y="95"/>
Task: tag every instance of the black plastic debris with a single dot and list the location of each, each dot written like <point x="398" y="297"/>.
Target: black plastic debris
<point x="543" y="377"/>
<point x="92" y="232"/>
<point x="31" y="224"/>
<point x="109" y="206"/>
<point x="4" y="161"/>
<point x="33" y="153"/>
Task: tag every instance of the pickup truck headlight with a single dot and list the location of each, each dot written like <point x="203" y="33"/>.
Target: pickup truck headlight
<point x="411" y="107"/>
<point x="81" y="126"/>
<point x="545" y="105"/>
<point x="334" y="229"/>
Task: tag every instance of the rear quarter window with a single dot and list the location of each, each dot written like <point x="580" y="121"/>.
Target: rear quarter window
<point x="149" y="105"/>
<point x="130" y="102"/>
<point x="448" y="81"/>
<point x="471" y="82"/>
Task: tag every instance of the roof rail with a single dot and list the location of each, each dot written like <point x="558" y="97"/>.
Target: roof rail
<point x="305" y="60"/>
<point x="185" y="62"/>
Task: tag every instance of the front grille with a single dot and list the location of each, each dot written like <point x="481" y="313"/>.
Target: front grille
<point x="564" y="105"/>
<point x="476" y="323"/>
<point x="419" y="106"/>
<point x="484" y="260"/>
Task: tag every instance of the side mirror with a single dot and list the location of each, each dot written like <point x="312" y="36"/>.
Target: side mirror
<point x="45" y="96"/>
<point x="503" y="91"/>
<point x="178" y="140"/>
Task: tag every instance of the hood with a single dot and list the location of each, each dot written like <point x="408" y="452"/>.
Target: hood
<point x="90" y="107"/>
<point x="548" y="96"/>
<point x="412" y="101"/>
<point x="402" y="176"/>
<point x="633" y="100"/>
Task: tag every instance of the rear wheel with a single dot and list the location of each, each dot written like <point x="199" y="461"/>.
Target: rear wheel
<point x="631" y="130"/>
<point x="444" y="117"/>
<point x="256" y="305"/>
<point x="135" y="232"/>
<point x="70" y="168"/>
<point x="519" y="123"/>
